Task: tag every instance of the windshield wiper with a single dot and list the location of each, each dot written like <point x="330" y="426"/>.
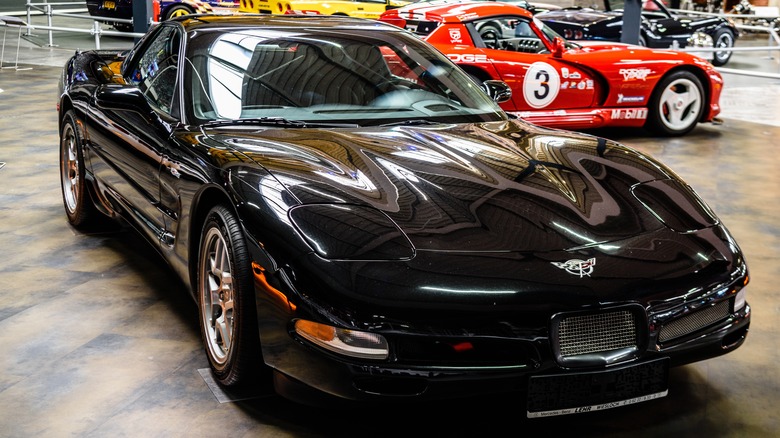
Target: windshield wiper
<point x="411" y="122"/>
<point x="277" y="121"/>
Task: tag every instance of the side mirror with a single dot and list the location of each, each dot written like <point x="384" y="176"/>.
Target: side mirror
<point x="123" y="97"/>
<point x="499" y="91"/>
<point x="559" y="46"/>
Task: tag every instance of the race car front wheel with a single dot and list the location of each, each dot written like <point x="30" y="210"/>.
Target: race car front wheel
<point x="676" y="105"/>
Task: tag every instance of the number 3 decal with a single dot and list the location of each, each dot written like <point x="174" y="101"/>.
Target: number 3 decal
<point x="541" y="84"/>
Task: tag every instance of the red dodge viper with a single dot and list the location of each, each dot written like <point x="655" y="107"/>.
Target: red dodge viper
<point x="560" y="84"/>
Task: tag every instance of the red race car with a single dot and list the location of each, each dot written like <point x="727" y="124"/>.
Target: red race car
<point x="560" y="84"/>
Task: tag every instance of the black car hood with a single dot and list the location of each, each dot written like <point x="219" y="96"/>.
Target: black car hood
<point x="501" y="186"/>
<point x="583" y="17"/>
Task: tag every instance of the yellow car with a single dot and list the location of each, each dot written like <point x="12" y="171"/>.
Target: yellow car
<point x="354" y="8"/>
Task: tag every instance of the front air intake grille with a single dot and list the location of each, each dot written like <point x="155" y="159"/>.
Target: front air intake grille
<point x="598" y="332"/>
<point x="694" y="322"/>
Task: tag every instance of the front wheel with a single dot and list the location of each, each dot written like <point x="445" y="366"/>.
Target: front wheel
<point x="226" y="300"/>
<point x="723" y="40"/>
<point x="676" y="104"/>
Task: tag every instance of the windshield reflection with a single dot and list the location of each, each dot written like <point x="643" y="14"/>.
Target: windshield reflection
<point x="319" y="76"/>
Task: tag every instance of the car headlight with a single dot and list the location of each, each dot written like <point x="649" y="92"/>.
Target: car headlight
<point x="740" y="299"/>
<point x="355" y="343"/>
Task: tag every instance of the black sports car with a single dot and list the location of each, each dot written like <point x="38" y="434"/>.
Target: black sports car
<point x="659" y="27"/>
<point x="350" y="210"/>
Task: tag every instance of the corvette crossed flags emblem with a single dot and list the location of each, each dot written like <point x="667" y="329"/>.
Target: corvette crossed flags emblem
<point x="577" y="267"/>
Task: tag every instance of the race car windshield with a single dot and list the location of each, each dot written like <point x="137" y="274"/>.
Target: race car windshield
<point x="320" y="76"/>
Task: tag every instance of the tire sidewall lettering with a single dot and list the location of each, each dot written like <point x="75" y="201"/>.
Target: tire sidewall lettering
<point x="541" y="84"/>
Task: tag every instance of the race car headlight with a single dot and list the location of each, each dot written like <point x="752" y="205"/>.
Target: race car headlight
<point x="354" y="343"/>
<point x="350" y="232"/>
<point x="700" y="39"/>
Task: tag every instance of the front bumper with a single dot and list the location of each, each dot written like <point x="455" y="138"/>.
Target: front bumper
<point x="307" y="375"/>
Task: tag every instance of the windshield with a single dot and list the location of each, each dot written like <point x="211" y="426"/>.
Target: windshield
<point x="343" y="76"/>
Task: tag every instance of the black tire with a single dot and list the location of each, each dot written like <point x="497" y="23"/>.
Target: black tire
<point x="676" y="105"/>
<point x="226" y="302"/>
<point x="177" y="11"/>
<point x="79" y="206"/>
<point x="723" y="38"/>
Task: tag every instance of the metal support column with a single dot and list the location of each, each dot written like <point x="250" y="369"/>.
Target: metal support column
<point x="142" y="15"/>
<point x="632" y="17"/>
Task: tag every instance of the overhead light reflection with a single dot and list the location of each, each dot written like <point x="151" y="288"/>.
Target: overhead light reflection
<point x="468" y="291"/>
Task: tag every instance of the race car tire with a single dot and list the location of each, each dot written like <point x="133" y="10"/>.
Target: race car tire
<point x="177" y="11"/>
<point x="676" y="105"/>
<point x="723" y="39"/>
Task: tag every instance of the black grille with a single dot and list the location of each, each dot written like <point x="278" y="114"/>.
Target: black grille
<point x="599" y="332"/>
<point x="694" y="322"/>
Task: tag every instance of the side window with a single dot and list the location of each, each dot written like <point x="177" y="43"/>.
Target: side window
<point x="509" y="33"/>
<point x="156" y="71"/>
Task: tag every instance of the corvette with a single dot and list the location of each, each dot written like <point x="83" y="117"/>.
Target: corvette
<point x="356" y="218"/>
<point x="561" y="84"/>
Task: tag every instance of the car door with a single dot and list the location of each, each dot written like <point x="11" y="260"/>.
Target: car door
<point x="129" y="127"/>
<point x="520" y="54"/>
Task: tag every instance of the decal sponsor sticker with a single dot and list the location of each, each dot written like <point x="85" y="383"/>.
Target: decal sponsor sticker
<point x="629" y="114"/>
<point x="630" y="99"/>
<point x="467" y="57"/>
<point x="541" y="84"/>
<point x="635" y="74"/>
<point x="455" y="36"/>
<point x="566" y="74"/>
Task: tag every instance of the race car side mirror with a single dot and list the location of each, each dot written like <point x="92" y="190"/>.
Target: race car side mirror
<point x="559" y="46"/>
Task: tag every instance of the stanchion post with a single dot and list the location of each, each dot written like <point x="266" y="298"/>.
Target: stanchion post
<point x="48" y="20"/>
<point x="96" y="30"/>
<point x="29" y="17"/>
